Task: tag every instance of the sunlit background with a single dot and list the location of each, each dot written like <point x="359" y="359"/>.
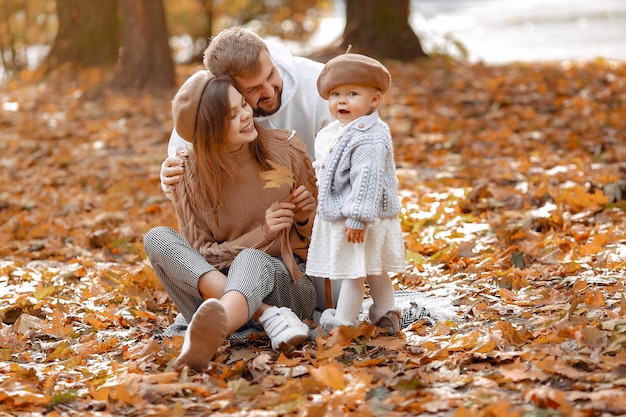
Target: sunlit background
<point x="491" y="31"/>
<point x="500" y="31"/>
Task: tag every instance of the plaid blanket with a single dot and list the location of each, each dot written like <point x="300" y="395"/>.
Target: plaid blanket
<point x="415" y="305"/>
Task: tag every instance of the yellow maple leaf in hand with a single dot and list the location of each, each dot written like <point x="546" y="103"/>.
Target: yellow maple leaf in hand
<point x="277" y="176"/>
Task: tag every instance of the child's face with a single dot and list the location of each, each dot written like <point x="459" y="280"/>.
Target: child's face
<point x="350" y="101"/>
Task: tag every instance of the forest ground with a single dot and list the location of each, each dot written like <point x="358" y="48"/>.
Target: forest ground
<point x="513" y="183"/>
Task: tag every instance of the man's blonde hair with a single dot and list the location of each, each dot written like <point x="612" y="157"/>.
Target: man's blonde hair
<point x="234" y="52"/>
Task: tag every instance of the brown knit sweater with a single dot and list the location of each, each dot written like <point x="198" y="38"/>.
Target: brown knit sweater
<point x="219" y="236"/>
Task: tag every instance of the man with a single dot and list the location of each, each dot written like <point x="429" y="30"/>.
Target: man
<point x="280" y="88"/>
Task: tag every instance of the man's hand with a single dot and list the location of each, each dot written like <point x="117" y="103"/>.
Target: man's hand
<point x="172" y="170"/>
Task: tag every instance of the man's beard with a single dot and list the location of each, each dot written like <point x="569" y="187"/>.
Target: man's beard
<point x="259" y="112"/>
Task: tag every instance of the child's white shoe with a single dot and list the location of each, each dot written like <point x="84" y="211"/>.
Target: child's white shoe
<point x="329" y="321"/>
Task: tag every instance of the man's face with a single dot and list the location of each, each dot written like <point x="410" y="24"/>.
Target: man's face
<point x="263" y="90"/>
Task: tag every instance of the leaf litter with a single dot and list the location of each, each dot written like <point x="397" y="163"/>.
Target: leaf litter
<point x="513" y="185"/>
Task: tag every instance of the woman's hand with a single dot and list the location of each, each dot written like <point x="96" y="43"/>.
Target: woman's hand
<point x="278" y="216"/>
<point x="305" y="204"/>
<point x="354" y="235"/>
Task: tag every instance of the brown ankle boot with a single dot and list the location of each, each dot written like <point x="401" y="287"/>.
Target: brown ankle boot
<point x="390" y="322"/>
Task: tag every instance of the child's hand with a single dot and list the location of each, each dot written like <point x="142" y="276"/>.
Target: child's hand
<point x="305" y="204"/>
<point x="354" y="235"/>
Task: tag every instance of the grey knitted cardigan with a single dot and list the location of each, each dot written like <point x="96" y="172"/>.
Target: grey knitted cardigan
<point x="357" y="181"/>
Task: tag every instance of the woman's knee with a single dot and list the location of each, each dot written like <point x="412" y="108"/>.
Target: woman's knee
<point x="156" y="239"/>
<point x="253" y="269"/>
<point x="251" y="258"/>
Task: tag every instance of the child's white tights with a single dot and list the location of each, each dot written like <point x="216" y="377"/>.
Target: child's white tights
<point x="382" y="291"/>
<point x="350" y="301"/>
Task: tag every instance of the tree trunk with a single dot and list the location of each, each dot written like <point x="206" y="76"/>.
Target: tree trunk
<point x="146" y="60"/>
<point x="381" y="29"/>
<point x="88" y="34"/>
<point x="208" y="7"/>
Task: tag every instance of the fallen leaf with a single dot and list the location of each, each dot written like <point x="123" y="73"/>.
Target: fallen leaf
<point x="277" y="176"/>
<point x="330" y="375"/>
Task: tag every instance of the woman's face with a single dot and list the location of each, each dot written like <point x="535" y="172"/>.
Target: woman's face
<point x="241" y="129"/>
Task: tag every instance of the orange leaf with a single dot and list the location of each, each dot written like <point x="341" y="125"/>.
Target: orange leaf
<point x="334" y="351"/>
<point x="58" y="329"/>
<point x="488" y="346"/>
<point x="389" y="342"/>
<point x="22" y="398"/>
<point x="101" y="394"/>
<point x="283" y="360"/>
<point x="595" y="299"/>
<point x="370" y="362"/>
<point x="277" y="176"/>
<point x="329" y="375"/>
<point x="598" y="242"/>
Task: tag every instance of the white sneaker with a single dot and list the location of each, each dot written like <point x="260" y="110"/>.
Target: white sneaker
<point x="205" y="334"/>
<point x="283" y="326"/>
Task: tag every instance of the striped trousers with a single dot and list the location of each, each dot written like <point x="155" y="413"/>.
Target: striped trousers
<point x="261" y="278"/>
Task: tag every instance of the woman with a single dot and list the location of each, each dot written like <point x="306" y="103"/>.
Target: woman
<point x="243" y="242"/>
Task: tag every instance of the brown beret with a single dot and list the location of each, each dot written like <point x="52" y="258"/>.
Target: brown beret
<point x="186" y="102"/>
<point x="352" y="69"/>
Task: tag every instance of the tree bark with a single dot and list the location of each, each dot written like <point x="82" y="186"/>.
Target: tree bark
<point x="88" y="34"/>
<point x="381" y="29"/>
<point x="146" y="60"/>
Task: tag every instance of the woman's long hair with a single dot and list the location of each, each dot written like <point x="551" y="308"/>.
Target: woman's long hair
<point x="215" y="173"/>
